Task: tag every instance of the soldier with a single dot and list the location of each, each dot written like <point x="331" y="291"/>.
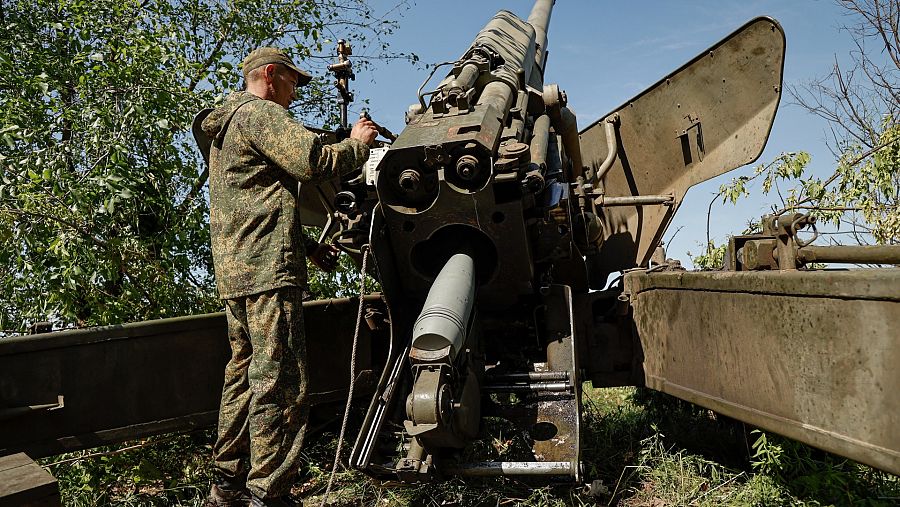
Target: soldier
<point x="259" y="155"/>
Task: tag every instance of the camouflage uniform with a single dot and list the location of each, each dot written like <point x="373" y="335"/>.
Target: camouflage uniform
<point x="259" y="154"/>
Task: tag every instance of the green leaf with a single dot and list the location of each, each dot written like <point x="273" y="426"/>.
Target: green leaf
<point x="115" y="82"/>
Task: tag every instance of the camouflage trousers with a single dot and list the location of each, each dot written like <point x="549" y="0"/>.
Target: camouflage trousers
<point x="264" y="410"/>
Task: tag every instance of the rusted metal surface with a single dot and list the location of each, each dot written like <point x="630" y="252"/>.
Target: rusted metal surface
<point x="438" y="184"/>
<point x="609" y="353"/>
<point x="461" y="179"/>
<point x="543" y="214"/>
<point x="710" y="116"/>
<point x="872" y="254"/>
<point x="76" y="389"/>
<point x="559" y="411"/>
<point x="116" y="383"/>
<point x="637" y="200"/>
<point x="778" y="246"/>
<point x="810" y="355"/>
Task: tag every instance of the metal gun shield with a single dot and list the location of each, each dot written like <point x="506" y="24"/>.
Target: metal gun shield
<point x="712" y="115"/>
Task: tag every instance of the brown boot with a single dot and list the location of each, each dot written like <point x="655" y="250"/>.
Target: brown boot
<point x="226" y="495"/>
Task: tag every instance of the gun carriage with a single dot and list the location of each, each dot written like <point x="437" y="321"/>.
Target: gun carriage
<point x="493" y="224"/>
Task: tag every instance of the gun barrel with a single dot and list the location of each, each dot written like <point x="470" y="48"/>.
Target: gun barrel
<point x="540" y="20"/>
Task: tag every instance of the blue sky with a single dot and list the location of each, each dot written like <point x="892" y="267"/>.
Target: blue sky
<point x="602" y="53"/>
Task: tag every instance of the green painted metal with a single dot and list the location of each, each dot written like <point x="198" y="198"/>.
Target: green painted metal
<point x="811" y="355"/>
<point x="712" y="115"/>
<point x="76" y="389"/>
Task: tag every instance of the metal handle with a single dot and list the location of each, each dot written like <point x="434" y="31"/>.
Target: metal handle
<point x="13" y="412"/>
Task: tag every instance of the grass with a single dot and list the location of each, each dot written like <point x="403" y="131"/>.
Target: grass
<point x="640" y="449"/>
<point x="164" y="470"/>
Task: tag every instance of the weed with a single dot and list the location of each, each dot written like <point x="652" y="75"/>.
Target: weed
<point x="812" y="473"/>
<point x="642" y="448"/>
<point x="164" y="470"/>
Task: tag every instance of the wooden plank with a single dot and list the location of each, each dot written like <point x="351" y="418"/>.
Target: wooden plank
<point x="24" y="483"/>
<point x="13" y="461"/>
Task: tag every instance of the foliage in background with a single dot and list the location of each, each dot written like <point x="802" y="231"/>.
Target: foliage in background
<point x="787" y="167"/>
<point x="164" y="470"/>
<point x="861" y="198"/>
<point x="861" y="103"/>
<point x="103" y="212"/>
<point x="344" y="280"/>
<point x="100" y="195"/>
<point x="712" y="258"/>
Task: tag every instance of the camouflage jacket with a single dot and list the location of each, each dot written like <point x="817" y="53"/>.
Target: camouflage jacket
<point x="259" y="154"/>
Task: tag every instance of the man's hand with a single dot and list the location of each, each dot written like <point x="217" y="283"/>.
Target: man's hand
<point x="325" y="256"/>
<point x="364" y="131"/>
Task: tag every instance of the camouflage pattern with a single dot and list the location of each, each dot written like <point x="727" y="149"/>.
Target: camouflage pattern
<point x="259" y="154"/>
<point x="262" y="419"/>
<point x="262" y="56"/>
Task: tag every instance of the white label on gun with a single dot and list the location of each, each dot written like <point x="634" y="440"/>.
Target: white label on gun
<point x="375" y="156"/>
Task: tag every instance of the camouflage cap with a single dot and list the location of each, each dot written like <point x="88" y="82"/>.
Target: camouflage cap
<point x="266" y="55"/>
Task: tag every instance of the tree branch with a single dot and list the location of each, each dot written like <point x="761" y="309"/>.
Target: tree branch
<point x="201" y="71"/>
<point x="97" y="240"/>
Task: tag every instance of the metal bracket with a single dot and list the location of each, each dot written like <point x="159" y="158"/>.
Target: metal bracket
<point x="684" y="138"/>
<point x="13" y="412"/>
<point x="779" y="247"/>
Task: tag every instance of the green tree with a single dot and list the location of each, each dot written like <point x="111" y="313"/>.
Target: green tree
<point x="103" y="209"/>
<point x="861" y="102"/>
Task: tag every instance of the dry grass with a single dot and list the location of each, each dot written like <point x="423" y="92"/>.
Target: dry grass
<point x="640" y="449"/>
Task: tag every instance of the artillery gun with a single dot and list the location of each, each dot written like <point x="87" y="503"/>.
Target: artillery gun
<point x="494" y="225"/>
